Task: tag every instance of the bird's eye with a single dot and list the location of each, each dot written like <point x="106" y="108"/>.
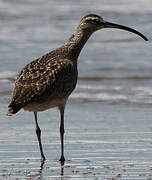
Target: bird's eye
<point x="95" y="21"/>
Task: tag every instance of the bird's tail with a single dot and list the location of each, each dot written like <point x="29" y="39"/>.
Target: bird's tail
<point x="12" y="110"/>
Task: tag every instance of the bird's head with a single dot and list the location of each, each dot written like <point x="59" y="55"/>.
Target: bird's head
<point x="93" y="22"/>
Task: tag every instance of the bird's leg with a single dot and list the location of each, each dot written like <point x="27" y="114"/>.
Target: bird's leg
<point x="38" y="133"/>
<point x="61" y="108"/>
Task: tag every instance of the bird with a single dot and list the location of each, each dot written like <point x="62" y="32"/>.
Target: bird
<point x="48" y="81"/>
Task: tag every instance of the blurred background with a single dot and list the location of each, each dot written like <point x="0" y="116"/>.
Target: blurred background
<point x="109" y="113"/>
<point x="31" y="28"/>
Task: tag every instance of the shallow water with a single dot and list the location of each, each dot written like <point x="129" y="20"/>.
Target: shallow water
<point x="101" y="142"/>
<point x="108" y="117"/>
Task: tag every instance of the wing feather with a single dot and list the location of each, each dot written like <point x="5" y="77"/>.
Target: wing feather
<point x="37" y="78"/>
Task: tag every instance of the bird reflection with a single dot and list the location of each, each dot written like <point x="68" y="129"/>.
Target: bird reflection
<point x="62" y="169"/>
<point x="38" y="174"/>
<point x="41" y="168"/>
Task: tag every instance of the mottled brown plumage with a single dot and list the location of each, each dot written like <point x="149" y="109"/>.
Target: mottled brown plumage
<point x="40" y="80"/>
<point x="48" y="81"/>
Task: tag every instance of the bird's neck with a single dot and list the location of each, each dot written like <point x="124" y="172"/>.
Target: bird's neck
<point x="76" y="42"/>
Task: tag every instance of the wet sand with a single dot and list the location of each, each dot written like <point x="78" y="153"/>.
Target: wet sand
<point x="102" y="141"/>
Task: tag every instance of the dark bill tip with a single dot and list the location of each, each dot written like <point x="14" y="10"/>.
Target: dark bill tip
<point x="117" y="26"/>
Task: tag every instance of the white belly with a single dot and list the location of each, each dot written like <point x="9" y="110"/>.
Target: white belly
<point x="36" y="107"/>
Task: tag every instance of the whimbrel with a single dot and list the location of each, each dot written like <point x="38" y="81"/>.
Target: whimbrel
<point x="48" y="81"/>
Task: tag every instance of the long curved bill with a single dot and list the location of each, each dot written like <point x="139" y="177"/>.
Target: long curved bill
<point x="117" y="26"/>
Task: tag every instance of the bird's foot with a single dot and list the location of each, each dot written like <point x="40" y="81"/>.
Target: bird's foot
<point x="43" y="158"/>
<point x="62" y="160"/>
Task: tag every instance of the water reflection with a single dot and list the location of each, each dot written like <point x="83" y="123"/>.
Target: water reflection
<point x="62" y="170"/>
<point x="41" y="168"/>
<point x="39" y="174"/>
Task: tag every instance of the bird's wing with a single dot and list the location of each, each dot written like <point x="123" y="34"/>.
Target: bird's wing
<point x="36" y="77"/>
